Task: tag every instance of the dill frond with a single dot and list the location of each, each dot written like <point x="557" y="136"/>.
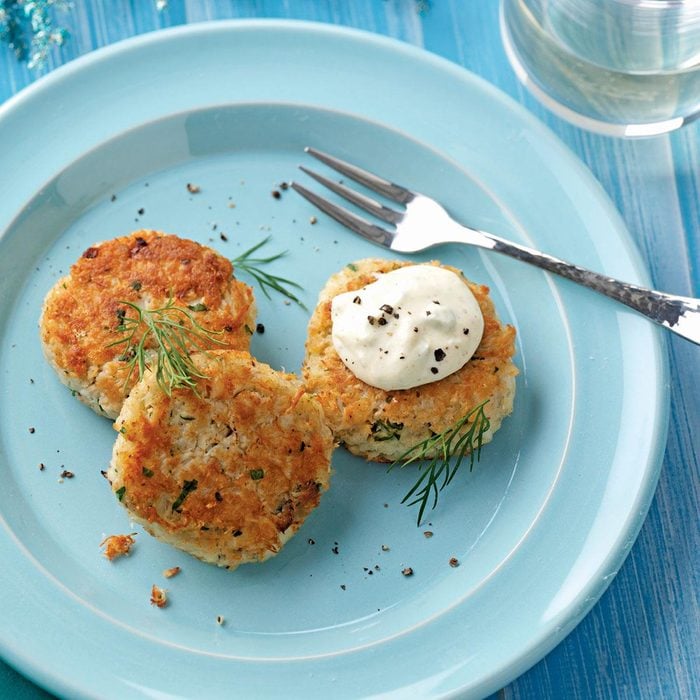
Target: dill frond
<point x="245" y="262"/>
<point x="449" y="448"/>
<point x="175" y="333"/>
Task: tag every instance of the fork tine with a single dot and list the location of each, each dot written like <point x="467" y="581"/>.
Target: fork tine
<point x="389" y="189"/>
<point x="382" y="212"/>
<point x="373" y="233"/>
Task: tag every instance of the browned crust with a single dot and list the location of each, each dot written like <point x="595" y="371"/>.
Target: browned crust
<point x="79" y="317"/>
<point x="247" y="417"/>
<point x="352" y="407"/>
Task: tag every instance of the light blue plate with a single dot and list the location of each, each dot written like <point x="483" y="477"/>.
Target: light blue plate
<point x="539" y="527"/>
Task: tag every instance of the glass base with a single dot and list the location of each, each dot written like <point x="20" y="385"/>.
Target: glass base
<point x="580" y="104"/>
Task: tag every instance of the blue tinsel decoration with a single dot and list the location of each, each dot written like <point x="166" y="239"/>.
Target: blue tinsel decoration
<point x="28" y="28"/>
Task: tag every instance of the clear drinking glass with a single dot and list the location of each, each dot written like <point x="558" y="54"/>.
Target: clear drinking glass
<point x="619" y="67"/>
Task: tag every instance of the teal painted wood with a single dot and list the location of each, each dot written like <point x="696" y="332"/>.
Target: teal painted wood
<point x="642" y="639"/>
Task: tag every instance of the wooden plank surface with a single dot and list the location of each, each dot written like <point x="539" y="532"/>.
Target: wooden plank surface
<point x="642" y="640"/>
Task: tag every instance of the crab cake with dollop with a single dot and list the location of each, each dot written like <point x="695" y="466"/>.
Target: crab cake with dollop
<point x="84" y="313"/>
<point x="227" y="472"/>
<point x="398" y="352"/>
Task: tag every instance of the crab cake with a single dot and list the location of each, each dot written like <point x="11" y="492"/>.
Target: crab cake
<point x="227" y="473"/>
<point x="83" y="312"/>
<point x="381" y="425"/>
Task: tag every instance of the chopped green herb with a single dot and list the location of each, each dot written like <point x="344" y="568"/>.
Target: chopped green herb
<point x="136" y="285"/>
<point x="147" y="472"/>
<point x="464" y="437"/>
<point x="386" y="430"/>
<point x="198" y="307"/>
<point x="188" y="486"/>
<point x="256" y="474"/>
<point x="120" y="493"/>
<point x="186" y="417"/>
<point x="352" y="266"/>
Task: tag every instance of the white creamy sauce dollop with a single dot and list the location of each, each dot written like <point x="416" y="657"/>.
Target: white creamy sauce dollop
<point x="414" y="325"/>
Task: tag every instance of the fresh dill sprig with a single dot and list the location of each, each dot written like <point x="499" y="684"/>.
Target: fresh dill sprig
<point x="442" y="455"/>
<point x="251" y="265"/>
<point x="175" y="334"/>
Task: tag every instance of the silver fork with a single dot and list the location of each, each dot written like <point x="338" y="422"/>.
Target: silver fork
<point x="424" y="223"/>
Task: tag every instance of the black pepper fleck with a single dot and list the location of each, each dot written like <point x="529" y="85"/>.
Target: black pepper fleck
<point x="382" y="321"/>
<point x="454" y="562"/>
<point x="439" y="355"/>
<point x="276" y="194"/>
<point x="32" y="430"/>
<point x="434" y="370"/>
<point x="260" y="328"/>
<point x="408" y="571"/>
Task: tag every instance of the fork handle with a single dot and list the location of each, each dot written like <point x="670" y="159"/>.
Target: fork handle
<point x="679" y="314"/>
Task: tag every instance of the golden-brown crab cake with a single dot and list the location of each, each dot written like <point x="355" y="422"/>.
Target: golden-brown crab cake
<point x="230" y="472"/>
<point x="381" y="425"/>
<point x="83" y="311"/>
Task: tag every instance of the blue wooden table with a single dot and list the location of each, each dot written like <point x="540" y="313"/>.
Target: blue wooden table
<point x="642" y="640"/>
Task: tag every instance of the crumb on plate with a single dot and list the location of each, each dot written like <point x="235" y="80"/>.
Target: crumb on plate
<point x="159" y="597"/>
<point x="116" y="546"/>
